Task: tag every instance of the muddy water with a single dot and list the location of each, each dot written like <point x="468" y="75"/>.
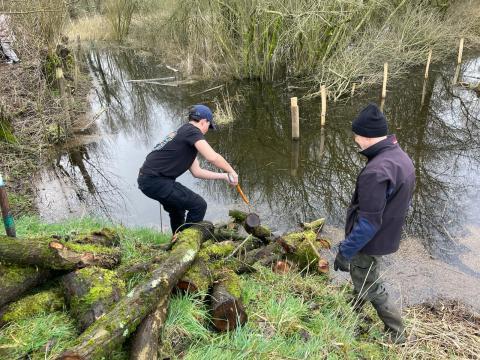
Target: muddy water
<point x="438" y="126"/>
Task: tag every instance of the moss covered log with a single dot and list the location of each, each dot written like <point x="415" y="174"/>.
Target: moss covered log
<point x="227" y="308"/>
<point x="251" y="223"/>
<point x="52" y="253"/>
<point x="266" y="256"/>
<point x="303" y="248"/>
<point x="110" y="331"/>
<point x="104" y="237"/>
<point x="146" y="340"/>
<point x="90" y="293"/>
<point x="16" y="281"/>
<point x="201" y="274"/>
<point x="29" y="306"/>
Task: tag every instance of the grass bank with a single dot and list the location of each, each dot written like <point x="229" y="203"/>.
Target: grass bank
<point x="291" y="316"/>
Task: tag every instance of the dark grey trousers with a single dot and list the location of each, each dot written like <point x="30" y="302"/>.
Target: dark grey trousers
<point x="369" y="286"/>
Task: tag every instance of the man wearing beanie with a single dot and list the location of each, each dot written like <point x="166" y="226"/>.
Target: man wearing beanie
<point x="176" y="154"/>
<point x="376" y="215"/>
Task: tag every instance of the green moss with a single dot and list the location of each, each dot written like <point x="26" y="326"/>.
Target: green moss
<point x="51" y="62"/>
<point x="231" y="281"/>
<point x="96" y="249"/>
<point x="55" y="134"/>
<point x="303" y="255"/>
<point x="13" y="274"/>
<point x="217" y="250"/>
<point x="42" y="302"/>
<point x="101" y="284"/>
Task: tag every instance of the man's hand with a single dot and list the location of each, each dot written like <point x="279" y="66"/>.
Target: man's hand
<point x="232" y="178"/>
<point x="341" y="263"/>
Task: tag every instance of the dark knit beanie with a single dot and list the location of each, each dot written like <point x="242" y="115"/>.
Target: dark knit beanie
<point x="370" y="122"/>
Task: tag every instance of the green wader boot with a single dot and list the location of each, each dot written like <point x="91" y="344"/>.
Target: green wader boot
<point x="368" y="286"/>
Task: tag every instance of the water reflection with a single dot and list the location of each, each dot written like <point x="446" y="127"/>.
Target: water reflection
<point x="286" y="181"/>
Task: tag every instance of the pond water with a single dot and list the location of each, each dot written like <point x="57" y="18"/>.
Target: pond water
<point x="287" y="182"/>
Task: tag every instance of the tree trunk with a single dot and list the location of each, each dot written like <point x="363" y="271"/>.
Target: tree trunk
<point x="104" y="237"/>
<point x="52" y="253"/>
<point x="251" y="223"/>
<point x="303" y="248"/>
<point x="119" y="323"/>
<point x="199" y="277"/>
<point x="90" y="293"/>
<point x="16" y="280"/>
<point x="146" y="339"/>
<point x="29" y="306"/>
<point x="227" y="309"/>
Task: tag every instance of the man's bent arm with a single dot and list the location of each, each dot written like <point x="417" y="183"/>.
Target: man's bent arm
<point x="213" y="157"/>
<point x="200" y="173"/>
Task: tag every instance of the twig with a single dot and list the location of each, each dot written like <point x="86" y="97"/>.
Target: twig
<point x="238" y="247"/>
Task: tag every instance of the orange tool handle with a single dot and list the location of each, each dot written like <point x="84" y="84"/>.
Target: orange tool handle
<point x="244" y="198"/>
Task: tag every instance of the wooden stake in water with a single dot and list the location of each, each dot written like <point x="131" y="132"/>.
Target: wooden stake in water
<point x="460" y="52"/>
<point x="323" y="92"/>
<point x="63" y="97"/>
<point x="385" y="75"/>
<point x="295" y="118"/>
<point x="7" y="216"/>
<point x="428" y="63"/>
<point x="353" y="89"/>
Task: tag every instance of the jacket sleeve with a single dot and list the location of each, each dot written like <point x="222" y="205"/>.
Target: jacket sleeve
<point x="372" y="197"/>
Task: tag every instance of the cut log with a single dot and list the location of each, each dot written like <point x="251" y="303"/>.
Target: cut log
<point x="29" y="306"/>
<point x="108" y="332"/>
<point x="251" y="223"/>
<point x="16" y="281"/>
<point x="51" y="253"/>
<point x="146" y="339"/>
<point x="227" y="309"/>
<point x="303" y="249"/>
<point x="200" y="275"/>
<point x="265" y="256"/>
<point x="227" y="234"/>
<point x="104" y="237"/>
<point x="316" y="225"/>
<point x="90" y="293"/>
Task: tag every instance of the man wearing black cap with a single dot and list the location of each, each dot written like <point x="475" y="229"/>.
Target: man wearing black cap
<point x="176" y="154"/>
<point x="376" y="215"/>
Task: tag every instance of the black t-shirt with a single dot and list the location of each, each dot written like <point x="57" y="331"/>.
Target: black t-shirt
<point x="175" y="154"/>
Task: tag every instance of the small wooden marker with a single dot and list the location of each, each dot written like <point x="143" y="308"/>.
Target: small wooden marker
<point x="353" y="89"/>
<point x="460" y="51"/>
<point x="323" y="92"/>
<point x="6" y="214"/>
<point x="385" y="75"/>
<point x="428" y="63"/>
<point x="295" y="118"/>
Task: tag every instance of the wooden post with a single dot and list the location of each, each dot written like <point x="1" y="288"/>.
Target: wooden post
<point x="295" y="157"/>
<point x="353" y="89"/>
<point x="63" y="98"/>
<point x="424" y="91"/>
<point x="323" y="92"/>
<point x="460" y="52"/>
<point x="295" y="118"/>
<point x="385" y="75"/>
<point x="428" y="63"/>
<point x="5" y="207"/>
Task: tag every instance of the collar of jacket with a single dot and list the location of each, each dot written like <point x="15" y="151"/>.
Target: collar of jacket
<point x="374" y="150"/>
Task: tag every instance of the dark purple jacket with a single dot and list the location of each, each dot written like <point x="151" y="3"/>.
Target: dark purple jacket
<point x="382" y="196"/>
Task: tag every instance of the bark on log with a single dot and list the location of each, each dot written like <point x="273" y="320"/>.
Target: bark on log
<point x="200" y="276"/>
<point x="51" y="253"/>
<point x="265" y="256"/>
<point x="104" y="237"/>
<point x="227" y="309"/>
<point x="29" y="306"/>
<point x="251" y="223"/>
<point x="303" y="249"/>
<point x="146" y="339"/>
<point x="16" y="280"/>
<point x="90" y="293"/>
<point x="120" y="322"/>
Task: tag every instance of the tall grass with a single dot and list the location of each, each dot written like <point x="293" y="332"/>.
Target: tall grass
<point x="119" y="13"/>
<point x="333" y="42"/>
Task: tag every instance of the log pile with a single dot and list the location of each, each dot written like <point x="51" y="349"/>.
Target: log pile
<point x="88" y="279"/>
